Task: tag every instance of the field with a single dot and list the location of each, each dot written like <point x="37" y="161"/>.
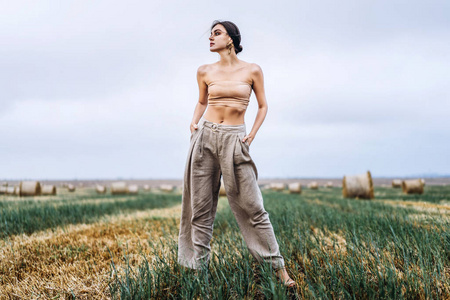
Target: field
<point x="87" y="246"/>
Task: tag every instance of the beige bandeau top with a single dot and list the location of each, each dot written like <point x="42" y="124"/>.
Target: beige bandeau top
<point x="230" y="93"/>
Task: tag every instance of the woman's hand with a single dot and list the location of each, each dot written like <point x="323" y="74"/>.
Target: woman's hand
<point x="193" y="127"/>
<point x="248" y="138"/>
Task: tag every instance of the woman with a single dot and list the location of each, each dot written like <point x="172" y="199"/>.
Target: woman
<point x="220" y="147"/>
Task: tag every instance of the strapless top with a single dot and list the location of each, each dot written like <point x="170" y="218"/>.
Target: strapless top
<point x="230" y="93"/>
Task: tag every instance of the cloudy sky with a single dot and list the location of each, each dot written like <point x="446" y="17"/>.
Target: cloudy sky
<point x="107" y="89"/>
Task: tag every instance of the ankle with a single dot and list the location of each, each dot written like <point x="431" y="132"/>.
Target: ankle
<point x="280" y="269"/>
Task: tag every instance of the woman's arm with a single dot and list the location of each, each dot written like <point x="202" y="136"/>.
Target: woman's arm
<point x="202" y="99"/>
<point x="258" y="87"/>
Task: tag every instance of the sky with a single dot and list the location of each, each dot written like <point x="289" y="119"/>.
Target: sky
<point x="107" y="89"/>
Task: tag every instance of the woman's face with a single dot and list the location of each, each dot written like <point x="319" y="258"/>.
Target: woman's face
<point x="219" y="38"/>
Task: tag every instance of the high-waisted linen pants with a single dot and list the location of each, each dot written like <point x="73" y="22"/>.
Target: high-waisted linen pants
<point x="217" y="150"/>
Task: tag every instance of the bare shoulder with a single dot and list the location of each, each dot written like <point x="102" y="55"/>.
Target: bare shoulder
<point x="203" y="69"/>
<point x="255" y="69"/>
<point x="202" y="72"/>
<point x="256" y="73"/>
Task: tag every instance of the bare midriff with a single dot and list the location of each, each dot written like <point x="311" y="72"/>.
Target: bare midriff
<point x="225" y="115"/>
<point x="227" y="101"/>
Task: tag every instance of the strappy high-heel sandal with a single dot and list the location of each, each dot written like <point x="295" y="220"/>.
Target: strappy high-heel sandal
<point x="288" y="283"/>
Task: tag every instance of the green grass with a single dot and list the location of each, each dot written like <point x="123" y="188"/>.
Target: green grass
<point x="30" y="215"/>
<point x="334" y="248"/>
<point x="389" y="253"/>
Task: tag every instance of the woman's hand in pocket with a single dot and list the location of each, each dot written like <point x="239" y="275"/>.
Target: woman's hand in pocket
<point x="248" y="138"/>
<point x="193" y="127"/>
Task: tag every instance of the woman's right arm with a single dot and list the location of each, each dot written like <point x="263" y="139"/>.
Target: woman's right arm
<point x="202" y="99"/>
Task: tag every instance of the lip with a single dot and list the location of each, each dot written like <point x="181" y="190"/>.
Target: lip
<point x="210" y="44"/>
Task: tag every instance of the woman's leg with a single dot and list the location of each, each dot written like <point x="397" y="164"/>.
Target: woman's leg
<point x="199" y="201"/>
<point x="246" y="202"/>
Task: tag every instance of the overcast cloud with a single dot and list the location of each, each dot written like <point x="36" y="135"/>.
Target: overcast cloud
<point x="107" y="89"/>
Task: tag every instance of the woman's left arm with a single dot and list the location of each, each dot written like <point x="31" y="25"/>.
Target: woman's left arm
<point x="258" y="87"/>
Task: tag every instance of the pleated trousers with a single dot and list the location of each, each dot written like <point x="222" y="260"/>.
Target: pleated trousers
<point x="217" y="150"/>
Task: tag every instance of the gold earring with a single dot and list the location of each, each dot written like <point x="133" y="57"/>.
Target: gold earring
<point x="229" y="46"/>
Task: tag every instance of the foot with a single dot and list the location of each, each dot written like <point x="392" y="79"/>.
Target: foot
<point x="284" y="277"/>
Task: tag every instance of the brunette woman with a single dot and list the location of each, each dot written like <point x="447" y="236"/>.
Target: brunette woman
<point x="220" y="147"/>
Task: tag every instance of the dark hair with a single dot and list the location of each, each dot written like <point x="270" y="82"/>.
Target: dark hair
<point x="233" y="32"/>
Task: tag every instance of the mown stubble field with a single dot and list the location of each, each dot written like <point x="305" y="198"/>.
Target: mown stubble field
<point x="87" y="246"/>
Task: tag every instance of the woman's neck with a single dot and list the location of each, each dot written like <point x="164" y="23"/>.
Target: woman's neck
<point x="228" y="60"/>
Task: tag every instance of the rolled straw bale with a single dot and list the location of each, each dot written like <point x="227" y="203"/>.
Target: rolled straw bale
<point x="10" y="190"/>
<point x="423" y="181"/>
<point x="71" y="187"/>
<point x="278" y="186"/>
<point x="48" y="189"/>
<point x="329" y="184"/>
<point x="295" y="188"/>
<point x="358" y="186"/>
<point x="222" y="191"/>
<point x="264" y="187"/>
<point x="179" y="190"/>
<point x="396" y="183"/>
<point x="100" y="189"/>
<point x="3" y="189"/>
<point x="166" y="187"/>
<point x="413" y="186"/>
<point x="30" y="188"/>
<point x="133" y="189"/>
<point x="17" y="190"/>
<point x="313" y="185"/>
<point x="146" y="187"/>
<point x="119" y="187"/>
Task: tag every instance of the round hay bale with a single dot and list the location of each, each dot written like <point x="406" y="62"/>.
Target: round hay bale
<point x="3" y="189"/>
<point x="71" y="187"/>
<point x="179" y="190"/>
<point x="100" y="189"/>
<point x="358" y="186"/>
<point x="133" y="189"/>
<point x="423" y="181"/>
<point x="119" y="187"/>
<point x="278" y="186"/>
<point x="222" y="191"/>
<point x="10" y="190"/>
<point x="30" y="188"/>
<point x="17" y="190"/>
<point x="413" y="186"/>
<point x="166" y="187"/>
<point x="313" y="185"/>
<point x="264" y="187"/>
<point x="329" y="184"/>
<point x="295" y="188"/>
<point x="396" y="183"/>
<point x="146" y="187"/>
<point x="48" y="189"/>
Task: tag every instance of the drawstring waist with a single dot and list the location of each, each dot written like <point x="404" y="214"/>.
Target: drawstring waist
<point x="220" y="127"/>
